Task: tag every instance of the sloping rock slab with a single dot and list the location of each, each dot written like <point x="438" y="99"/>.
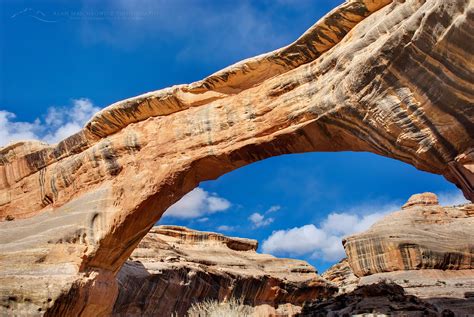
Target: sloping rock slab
<point x="175" y="266"/>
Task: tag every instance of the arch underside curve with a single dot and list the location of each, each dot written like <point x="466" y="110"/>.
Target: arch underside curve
<point x="394" y="79"/>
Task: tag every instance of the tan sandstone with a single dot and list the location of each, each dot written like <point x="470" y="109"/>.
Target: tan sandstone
<point x="174" y="267"/>
<point x="414" y="262"/>
<point x="420" y="236"/>
<point x="392" y="78"/>
<point x="342" y="276"/>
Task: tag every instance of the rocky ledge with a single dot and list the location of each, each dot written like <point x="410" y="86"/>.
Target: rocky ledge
<point x="392" y="78"/>
<point x="408" y="292"/>
<point x="414" y="262"/>
<point x="173" y="267"/>
<point x="423" y="235"/>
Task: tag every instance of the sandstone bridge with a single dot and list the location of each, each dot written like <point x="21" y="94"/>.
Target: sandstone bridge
<point x="394" y="78"/>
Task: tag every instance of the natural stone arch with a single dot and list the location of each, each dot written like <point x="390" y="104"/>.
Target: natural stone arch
<point x="397" y="83"/>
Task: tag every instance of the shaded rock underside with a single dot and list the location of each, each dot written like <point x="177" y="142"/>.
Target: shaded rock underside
<point x="391" y="78"/>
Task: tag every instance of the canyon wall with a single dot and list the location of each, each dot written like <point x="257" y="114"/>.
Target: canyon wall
<point x="392" y="78"/>
<point x="174" y="267"/>
<point x="413" y="262"/>
<point x="423" y="235"/>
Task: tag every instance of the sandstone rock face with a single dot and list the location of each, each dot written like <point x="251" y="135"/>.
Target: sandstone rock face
<point x="381" y="299"/>
<point x="393" y="78"/>
<point x="415" y="262"/>
<point x="445" y="290"/>
<point x="173" y="267"/>
<point x="428" y="290"/>
<point x="421" y="236"/>
<point x="424" y="199"/>
<point x="341" y="274"/>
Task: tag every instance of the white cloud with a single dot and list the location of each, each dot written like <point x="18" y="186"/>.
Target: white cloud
<point x="273" y="209"/>
<point x="225" y="228"/>
<point x="259" y="220"/>
<point x="11" y="131"/>
<point x="197" y="203"/>
<point x="205" y="219"/>
<point x="59" y="123"/>
<point x="217" y="203"/>
<point x="452" y="198"/>
<point x="295" y="241"/>
<point x="324" y="242"/>
<point x="66" y="121"/>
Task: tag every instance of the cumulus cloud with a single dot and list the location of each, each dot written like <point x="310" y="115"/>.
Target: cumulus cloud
<point x="66" y="121"/>
<point x="325" y="241"/>
<point x="259" y="220"/>
<point x="11" y="131"/>
<point x="58" y="124"/>
<point x="196" y="204"/>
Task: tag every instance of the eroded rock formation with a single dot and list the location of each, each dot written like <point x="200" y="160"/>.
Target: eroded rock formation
<point x="342" y="276"/>
<point x="174" y="267"/>
<point x="380" y="299"/>
<point x="429" y="290"/>
<point x="422" y="255"/>
<point x="445" y="290"/>
<point x="393" y="78"/>
<point x="423" y="235"/>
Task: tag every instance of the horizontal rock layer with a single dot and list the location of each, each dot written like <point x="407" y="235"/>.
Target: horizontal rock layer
<point x="407" y="292"/>
<point x="391" y="78"/>
<point x="421" y="236"/>
<point x="445" y="290"/>
<point x="342" y="276"/>
<point x="385" y="298"/>
<point x="174" y="267"/>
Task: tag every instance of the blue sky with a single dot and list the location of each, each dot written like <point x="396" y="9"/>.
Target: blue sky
<point x="61" y="61"/>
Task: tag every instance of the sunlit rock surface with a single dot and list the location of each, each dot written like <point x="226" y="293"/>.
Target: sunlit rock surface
<point x="423" y="255"/>
<point x="174" y="267"/>
<point x="423" y="235"/>
<point x="392" y="78"/>
<point x="446" y="290"/>
<point x="380" y="299"/>
<point x="342" y="276"/>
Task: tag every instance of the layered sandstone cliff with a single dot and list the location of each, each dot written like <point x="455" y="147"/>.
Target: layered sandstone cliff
<point x="342" y="276"/>
<point x="407" y="292"/>
<point x="423" y="235"/>
<point x="415" y="262"/>
<point x="392" y="78"/>
<point x="174" y="267"/>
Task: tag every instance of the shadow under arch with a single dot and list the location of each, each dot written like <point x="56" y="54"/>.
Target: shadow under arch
<point x="210" y="166"/>
<point x="404" y="95"/>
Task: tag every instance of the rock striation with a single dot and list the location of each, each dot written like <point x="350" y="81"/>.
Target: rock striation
<point x="449" y="291"/>
<point x="379" y="299"/>
<point x="390" y="77"/>
<point x="342" y="276"/>
<point x="423" y="235"/>
<point x="407" y="292"/>
<point x="174" y="267"/>
<point x="421" y="258"/>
